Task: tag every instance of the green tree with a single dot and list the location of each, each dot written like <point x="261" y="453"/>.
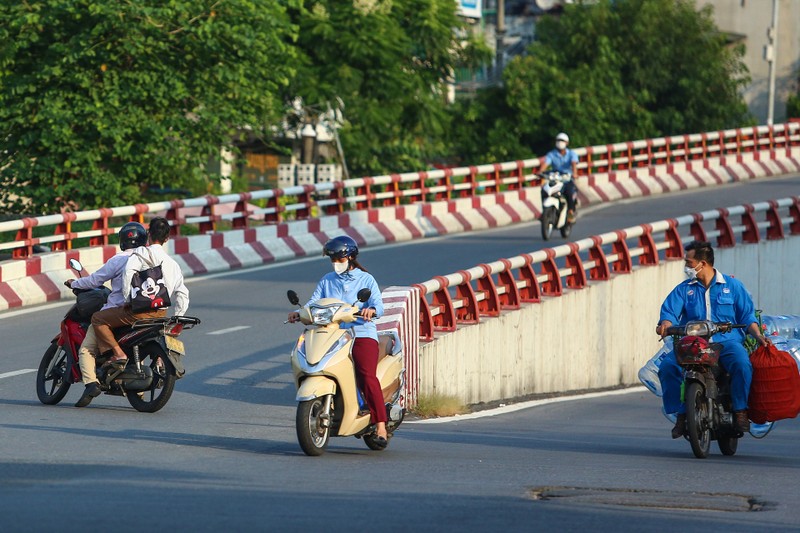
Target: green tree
<point x="793" y="103"/>
<point x="98" y="98"/>
<point x="609" y="71"/>
<point x="389" y="63"/>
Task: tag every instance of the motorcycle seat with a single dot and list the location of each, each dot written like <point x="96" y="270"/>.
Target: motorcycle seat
<point x="389" y="343"/>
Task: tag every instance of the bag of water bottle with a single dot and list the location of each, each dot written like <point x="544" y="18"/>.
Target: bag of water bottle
<point x="648" y="374"/>
<point x="775" y="390"/>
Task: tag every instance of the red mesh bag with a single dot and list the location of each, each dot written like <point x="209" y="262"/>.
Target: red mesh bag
<point x="775" y="390"/>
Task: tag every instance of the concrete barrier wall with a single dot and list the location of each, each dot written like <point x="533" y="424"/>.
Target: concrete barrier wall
<point x="591" y="338"/>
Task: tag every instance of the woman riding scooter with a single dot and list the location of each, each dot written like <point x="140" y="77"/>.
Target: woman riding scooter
<point x="347" y="278"/>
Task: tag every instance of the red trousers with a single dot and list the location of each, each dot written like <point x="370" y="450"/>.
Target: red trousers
<point x="365" y="356"/>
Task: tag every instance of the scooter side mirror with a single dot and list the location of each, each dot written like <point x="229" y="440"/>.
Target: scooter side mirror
<point x="364" y="294"/>
<point x="293" y="298"/>
<point x="76" y="265"/>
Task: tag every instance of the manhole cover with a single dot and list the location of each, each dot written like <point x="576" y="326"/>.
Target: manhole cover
<point x="678" y="500"/>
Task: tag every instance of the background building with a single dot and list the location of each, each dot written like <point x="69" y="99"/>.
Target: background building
<point x="750" y="21"/>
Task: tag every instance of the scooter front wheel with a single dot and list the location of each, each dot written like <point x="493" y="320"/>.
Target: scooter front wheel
<point x="697" y="420"/>
<point x="52" y="378"/>
<point x="548" y="220"/>
<point x="313" y="426"/>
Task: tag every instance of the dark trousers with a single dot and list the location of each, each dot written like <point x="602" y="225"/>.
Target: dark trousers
<point x="571" y="192"/>
<point x="365" y="356"/>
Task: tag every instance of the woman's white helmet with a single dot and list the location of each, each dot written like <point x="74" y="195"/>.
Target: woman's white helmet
<point x="562" y="137"/>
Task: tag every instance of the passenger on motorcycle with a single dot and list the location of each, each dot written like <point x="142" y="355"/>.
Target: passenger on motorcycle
<point x="105" y="321"/>
<point x="709" y="295"/>
<point x="131" y="235"/>
<point x="347" y="278"/>
<point x="565" y="161"/>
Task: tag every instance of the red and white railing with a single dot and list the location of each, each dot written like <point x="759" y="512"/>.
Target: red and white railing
<point x="464" y="297"/>
<point x="275" y="206"/>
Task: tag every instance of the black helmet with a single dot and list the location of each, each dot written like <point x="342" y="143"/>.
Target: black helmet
<point x="132" y="235"/>
<point x="342" y="246"/>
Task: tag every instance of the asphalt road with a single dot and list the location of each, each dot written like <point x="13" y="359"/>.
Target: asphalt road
<point x="222" y="454"/>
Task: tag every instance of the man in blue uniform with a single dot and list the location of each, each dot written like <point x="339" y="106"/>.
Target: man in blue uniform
<point x="709" y="295"/>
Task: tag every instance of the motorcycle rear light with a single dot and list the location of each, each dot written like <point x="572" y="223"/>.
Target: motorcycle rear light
<point x="175" y="330"/>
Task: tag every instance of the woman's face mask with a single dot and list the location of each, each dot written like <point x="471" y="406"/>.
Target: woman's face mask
<point x="561" y="145"/>
<point x="341" y="268"/>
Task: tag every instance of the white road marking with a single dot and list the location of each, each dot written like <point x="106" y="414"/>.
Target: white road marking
<point x="524" y="405"/>
<point x="227" y="330"/>
<point x="17" y="372"/>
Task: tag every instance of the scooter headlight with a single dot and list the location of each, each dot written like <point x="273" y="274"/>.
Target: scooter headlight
<point x="322" y="316"/>
<point x="698" y="329"/>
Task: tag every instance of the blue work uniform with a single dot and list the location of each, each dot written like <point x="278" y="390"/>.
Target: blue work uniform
<point x="560" y="162"/>
<point x="563" y="163"/>
<point x="725" y="300"/>
<point x="345" y="287"/>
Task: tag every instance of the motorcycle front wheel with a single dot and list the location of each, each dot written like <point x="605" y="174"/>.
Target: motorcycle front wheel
<point x="160" y="391"/>
<point x="548" y="222"/>
<point x="697" y="420"/>
<point x="52" y="378"/>
<point x="313" y="426"/>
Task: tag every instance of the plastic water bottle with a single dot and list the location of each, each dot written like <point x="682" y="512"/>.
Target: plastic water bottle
<point x="648" y="374"/>
<point x="791" y="346"/>
<point x="760" y="431"/>
<point x="787" y="326"/>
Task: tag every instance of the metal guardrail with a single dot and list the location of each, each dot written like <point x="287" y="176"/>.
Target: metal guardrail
<point x="306" y="201"/>
<point x="462" y="298"/>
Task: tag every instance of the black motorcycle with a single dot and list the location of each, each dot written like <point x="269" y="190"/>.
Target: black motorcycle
<point x="706" y="387"/>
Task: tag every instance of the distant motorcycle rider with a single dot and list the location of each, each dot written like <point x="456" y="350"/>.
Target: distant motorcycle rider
<point x="131" y="236"/>
<point x="565" y="161"/>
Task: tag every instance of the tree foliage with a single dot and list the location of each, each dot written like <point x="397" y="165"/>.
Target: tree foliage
<point x="609" y="71"/>
<point x="98" y="98"/>
<point x="389" y="63"/>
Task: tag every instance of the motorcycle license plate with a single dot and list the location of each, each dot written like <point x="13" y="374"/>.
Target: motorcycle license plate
<point x="174" y="344"/>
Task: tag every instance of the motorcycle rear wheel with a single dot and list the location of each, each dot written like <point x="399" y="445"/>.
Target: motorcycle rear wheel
<point x="548" y="220"/>
<point x="566" y="230"/>
<point x="52" y="378"/>
<point x="697" y="420"/>
<point x="313" y="430"/>
<point x="160" y="391"/>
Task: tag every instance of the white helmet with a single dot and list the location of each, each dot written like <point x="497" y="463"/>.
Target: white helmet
<point x="562" y="137"/>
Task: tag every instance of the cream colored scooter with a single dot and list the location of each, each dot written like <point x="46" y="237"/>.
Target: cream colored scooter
<point x="330" y="404"/>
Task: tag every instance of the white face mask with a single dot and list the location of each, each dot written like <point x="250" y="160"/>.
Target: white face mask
<point x="690" y="272"/>
<point x="341" y="268"/>
<point x="561" y="145"/>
